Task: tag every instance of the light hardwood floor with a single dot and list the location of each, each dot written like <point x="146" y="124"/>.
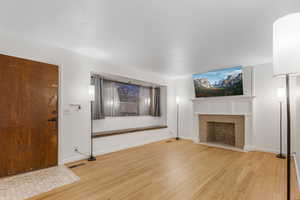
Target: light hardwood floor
<point x="177" y="170"/>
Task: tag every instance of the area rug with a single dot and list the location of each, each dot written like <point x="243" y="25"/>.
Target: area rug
<point x="27" y="185"/>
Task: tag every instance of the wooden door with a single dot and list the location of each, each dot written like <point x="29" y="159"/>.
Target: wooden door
<point x="28" y="115"/>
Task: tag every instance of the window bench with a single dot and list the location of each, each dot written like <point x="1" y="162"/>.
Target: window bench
<point x="124" y="131"/>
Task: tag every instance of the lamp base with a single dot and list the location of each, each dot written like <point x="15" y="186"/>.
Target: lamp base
<point x="177" y="138"/>
<point x="92" y="158"/>
<point x="280" y="156"/>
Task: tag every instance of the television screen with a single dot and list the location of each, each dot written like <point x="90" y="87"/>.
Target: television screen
<point x="223" y="82"/>
<point x="128" y="92"/>
<point x="128" y="99"/>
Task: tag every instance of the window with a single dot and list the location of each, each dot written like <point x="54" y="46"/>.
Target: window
<point x="123" y="99"/>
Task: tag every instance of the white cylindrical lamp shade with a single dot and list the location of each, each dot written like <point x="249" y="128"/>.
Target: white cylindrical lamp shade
<point x="92" y="92"/>
<point x="177" y="99"/>
<point x="281" y="94"/>
<point x="286" y="44"/>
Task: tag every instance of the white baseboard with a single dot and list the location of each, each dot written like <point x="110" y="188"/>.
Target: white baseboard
<point x="267" y="150"/>
<point x="248" y="148"/>
<point x="73" y="159"/>
<point x="297" y="170"/>
<point x="185" y="138"/>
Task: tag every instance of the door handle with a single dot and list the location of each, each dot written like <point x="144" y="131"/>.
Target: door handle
<point x="54" y="119"/>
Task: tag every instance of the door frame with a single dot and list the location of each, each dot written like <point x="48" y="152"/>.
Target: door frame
<point x="60" y="103"/>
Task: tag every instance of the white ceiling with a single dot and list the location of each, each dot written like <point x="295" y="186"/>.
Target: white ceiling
<point x="171" y="37"/>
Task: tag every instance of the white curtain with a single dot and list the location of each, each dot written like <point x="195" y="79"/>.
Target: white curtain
<point x="98" y="106"/>
<point x="145" y="101"/>
<point x="155" y="102"/>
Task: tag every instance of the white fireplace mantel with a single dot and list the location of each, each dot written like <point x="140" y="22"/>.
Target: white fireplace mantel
<point x="238" y="97"/>
<point x="230" y="105"/>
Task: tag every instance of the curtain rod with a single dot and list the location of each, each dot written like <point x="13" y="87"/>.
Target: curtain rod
<point x="124" y="82"/>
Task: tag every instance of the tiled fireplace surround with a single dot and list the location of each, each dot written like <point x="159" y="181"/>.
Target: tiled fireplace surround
<point x="207" y="129"/>
<point x="237" y="110"/>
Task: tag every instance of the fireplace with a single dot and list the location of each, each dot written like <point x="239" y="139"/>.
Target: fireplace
<point x="225" y="130"/>
<point x="221" y="133"/>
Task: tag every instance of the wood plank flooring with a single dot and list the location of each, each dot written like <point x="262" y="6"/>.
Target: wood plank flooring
<point x="177" y="170"/>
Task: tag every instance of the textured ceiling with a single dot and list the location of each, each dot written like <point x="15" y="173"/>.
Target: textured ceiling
<point x="171" y="37"/>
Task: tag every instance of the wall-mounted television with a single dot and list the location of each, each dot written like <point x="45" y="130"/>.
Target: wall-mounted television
<point x="222" y="82"/>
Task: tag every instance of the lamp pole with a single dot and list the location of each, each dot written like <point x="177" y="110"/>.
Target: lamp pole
<point x="287" y="78"/>
<point x="177" y="138"/>
<point x="280" y="155"/>
<point x="92" y="98"/>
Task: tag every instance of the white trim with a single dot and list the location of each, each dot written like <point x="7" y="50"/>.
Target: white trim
<point x="218" y="113"/>
<point x="60" y="115"/>
<point x="73" y="159"/>
<point x="267" y="150"/>
<point x="297" y="170"/>
<point x="185" y="138"/>
<point x="241" y="97"/>
<point x="252" y="81"/>
<point x="248" y="148"/>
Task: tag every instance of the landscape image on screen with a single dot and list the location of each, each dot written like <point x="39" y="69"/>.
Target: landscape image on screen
<point x="223" y="82"/>
<point x="128" y="99"/>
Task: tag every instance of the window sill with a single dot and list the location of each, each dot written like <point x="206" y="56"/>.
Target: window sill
<point x="129" y="117"/>
<point x="125" y="131"/>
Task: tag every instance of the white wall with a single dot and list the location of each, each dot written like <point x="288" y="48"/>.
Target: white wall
<point x="267" y="119"/>
<point x="74" y="129"/>
<point x="266" y="108"/>
<point x="185" y="90"/>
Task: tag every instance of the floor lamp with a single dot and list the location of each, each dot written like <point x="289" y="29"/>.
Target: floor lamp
<point x="281" y="96"/>
<point x="177" y="116"/>
<point x="92" y="99"/>
<point x="286" y="61"/>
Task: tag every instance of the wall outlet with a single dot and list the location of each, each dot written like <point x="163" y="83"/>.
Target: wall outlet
<point x="76" y="148"/>
<point x="67" y="111"/>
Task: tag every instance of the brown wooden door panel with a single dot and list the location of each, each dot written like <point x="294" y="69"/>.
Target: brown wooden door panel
<point x="29" y="98"/>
